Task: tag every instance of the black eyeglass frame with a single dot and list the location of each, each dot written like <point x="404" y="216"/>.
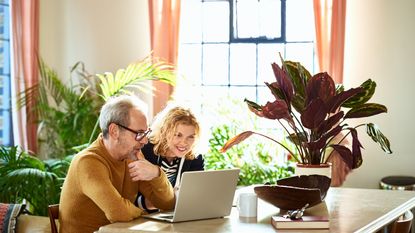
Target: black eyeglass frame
<point x="139" y="135"/>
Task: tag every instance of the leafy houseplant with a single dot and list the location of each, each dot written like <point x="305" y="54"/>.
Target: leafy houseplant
<point x="313" y="111"/>
<point x="25" y="177"/>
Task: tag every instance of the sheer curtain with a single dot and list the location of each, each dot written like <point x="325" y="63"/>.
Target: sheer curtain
<point x="330" y="19"/>
<point x="164" y="31"/>
<point x="25" y="44"/>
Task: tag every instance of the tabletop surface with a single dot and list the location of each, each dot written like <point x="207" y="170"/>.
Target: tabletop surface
<point x="350" y="210"/>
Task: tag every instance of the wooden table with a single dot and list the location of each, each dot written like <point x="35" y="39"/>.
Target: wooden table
<point x="351" y="210"/>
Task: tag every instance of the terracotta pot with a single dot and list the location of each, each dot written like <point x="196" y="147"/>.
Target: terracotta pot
<point x="323" y="169"/>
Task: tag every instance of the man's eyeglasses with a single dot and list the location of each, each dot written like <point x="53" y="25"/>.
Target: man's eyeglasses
<point x="139" y="135"/>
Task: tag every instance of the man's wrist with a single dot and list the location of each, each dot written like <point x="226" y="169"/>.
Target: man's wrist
<point x="157" y="173"/>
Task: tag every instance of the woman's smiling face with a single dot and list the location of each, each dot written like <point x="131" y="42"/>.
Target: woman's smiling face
<point x="181" y="142"/>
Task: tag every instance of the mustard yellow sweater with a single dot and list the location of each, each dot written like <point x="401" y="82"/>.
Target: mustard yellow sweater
<point x="98" y="190"/>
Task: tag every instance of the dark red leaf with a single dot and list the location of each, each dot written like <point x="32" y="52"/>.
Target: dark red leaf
<point x="314" y="114"/>
<point x="321" y="142"/>
<point x="284" y="82"/>
<point x="330" y="122"/>
<point x="335" y="102"/>
<point x="345" y="154"/>
<point x="276" y="110"/>
<point x="320" y="86"/>
<point x="357" y="153"/>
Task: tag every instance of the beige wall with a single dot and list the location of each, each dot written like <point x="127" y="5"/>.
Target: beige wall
<point x="380" y="45"/>
<point x="107" y="35"/>
<point x="104" y="34"/>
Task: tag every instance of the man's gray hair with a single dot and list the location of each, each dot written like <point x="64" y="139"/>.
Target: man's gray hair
<point x="117" y="109"/>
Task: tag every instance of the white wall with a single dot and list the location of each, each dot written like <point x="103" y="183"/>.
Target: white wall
<point x="104" y="34"/>
<point x="380" y="45"/>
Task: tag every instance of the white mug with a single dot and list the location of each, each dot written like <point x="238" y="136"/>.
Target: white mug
<point x="247" y="204"/>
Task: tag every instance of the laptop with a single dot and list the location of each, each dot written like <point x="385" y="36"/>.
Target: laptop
<point x="202" y="195"/>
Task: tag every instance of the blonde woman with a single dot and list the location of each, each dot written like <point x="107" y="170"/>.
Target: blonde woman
<point x="171" y="146"/>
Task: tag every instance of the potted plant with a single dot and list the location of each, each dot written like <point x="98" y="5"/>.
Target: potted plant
<point x="313" y="111"/>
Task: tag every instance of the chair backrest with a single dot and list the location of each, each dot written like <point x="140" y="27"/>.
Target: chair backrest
<point x="403" y="223"/>
<point x="53" y="212"/>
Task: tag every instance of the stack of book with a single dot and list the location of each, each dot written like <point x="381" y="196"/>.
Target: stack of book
<point x="316" y="217"/>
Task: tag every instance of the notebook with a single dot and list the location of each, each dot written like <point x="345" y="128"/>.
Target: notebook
<point x="202" y="195"/>
<point x="316" y="217"/>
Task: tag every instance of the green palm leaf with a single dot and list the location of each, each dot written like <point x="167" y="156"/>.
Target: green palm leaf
<point x="135" y="77"/>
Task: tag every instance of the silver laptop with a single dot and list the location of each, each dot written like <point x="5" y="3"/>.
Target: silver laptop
<point x="202" y="195"/>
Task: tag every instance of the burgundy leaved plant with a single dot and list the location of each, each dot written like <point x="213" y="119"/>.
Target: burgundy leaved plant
<point x="316" y="112"/>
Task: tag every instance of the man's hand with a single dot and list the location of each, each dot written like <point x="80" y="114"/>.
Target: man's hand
<point x="143" y="170"/>
<point x="149" y="205"/>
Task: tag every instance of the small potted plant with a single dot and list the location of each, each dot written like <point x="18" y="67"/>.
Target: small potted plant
<point x="314" y="111"/>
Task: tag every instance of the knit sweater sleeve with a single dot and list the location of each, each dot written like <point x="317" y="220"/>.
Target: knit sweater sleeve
<point x="159" y="191"/>
<point x="95" y="183"/>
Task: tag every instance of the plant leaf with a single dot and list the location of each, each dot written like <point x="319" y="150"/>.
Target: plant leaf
<point x="277" y="110"/>
<point x="314" y="114"/>
<point x="236" y="140"/>
<point x="276" y="90"/>
<point x="345" y="154"/>
<point x="374" y="132"/>
<point x="284" y="82"/>
<point x="320" y="86"/>
<point x="337" y="100"/>
<point x="330" y="122"/>
<point x="366" y="110"/>
<point x="255" y="108"/>
<point x="356" y="152"/>
<point x="369" y="88"/>
<point x="299" y="76"/>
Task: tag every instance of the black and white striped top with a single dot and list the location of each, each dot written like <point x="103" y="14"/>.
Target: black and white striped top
<point x="170" y="169"/>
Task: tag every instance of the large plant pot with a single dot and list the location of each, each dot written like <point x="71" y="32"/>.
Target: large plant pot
<point x="323" y="169"/>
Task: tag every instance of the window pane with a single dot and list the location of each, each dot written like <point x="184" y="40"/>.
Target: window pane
<point x="270" y="18"/>
<point x="215" y="64"/>
<point x="190" y="62"/>
<point x="191" y="19"/>
<point x="268" y="54"/>
<point x="258" y="19"/>
<point x="4" y="57"/>
<point x="246" y="19"/>
<point x="4" y="21"/>
<point x="216" y="21"/>
<point x="5" y="100"/>
<point x="243" y="64"/>
<point x="300" y="20"/>
<point x="301" y="52"/>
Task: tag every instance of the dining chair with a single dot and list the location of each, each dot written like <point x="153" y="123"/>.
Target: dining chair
<point x="53" y="212"/>
<point x="403" y="223"/>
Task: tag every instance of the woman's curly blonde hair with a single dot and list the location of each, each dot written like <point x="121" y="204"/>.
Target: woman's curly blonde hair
<point x="165" y="125"/>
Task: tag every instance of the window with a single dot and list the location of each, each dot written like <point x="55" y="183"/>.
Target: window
<point x="227" y="46"/>
<point x="5" y="108"/>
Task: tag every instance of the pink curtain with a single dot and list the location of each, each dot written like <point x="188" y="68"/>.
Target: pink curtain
<point x="164" y="31"/>
<point x="25" y="34"/>
<point x="330" y="20"/>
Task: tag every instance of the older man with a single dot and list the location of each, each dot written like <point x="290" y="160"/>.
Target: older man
<point x="104" y="179"/>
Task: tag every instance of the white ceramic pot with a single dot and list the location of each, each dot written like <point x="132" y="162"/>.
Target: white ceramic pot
<point x="307" y="169"/>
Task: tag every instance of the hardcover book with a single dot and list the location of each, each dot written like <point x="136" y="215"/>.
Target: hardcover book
<point x="306" y="222"/>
